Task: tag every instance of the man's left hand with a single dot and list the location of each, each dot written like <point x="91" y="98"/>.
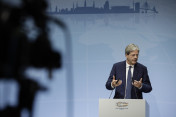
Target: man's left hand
<point x="138" y="84"/>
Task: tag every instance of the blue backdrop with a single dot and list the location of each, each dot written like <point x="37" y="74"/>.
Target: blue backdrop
<point x="98" y="41"/>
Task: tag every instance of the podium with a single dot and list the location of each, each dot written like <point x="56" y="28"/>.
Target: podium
<point x="123" y="108"/>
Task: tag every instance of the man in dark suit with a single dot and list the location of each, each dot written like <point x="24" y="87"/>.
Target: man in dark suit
<point x="129" y="78"/>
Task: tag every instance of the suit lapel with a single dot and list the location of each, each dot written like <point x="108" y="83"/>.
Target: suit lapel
<point x="135" y="72"/>
<point x="124" y="74"/>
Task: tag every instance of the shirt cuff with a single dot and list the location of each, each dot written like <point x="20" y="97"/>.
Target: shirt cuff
<point x="112" y="86"/>
<point x="140" y="87"/>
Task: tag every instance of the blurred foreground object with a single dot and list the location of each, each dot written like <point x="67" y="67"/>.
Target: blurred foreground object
<point x="19" y="50"/>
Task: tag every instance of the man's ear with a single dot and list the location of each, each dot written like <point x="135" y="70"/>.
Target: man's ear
<point x="126" y="55"/>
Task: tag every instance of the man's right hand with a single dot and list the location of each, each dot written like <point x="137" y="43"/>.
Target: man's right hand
<point x="116" y="83"/>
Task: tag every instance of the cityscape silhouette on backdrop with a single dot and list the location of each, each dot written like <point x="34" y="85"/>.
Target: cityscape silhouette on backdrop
<point x="136" y="8"/>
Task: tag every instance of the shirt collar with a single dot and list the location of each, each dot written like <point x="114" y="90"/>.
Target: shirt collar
<point x="127" y="65"/>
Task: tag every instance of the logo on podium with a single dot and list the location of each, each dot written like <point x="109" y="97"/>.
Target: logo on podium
<point x="122" y="105"/>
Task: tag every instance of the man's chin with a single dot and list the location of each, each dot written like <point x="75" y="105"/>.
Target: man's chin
<point x="134" y="62"/>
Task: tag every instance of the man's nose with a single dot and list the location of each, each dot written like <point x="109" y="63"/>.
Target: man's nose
<point x="136" y="56"/>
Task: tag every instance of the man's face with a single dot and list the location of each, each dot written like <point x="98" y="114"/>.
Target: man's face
<point x="132" y="57"/>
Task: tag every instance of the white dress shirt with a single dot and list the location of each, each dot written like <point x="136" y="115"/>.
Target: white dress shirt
<point x="127" y="68"/>
<point x="132" y="71"/>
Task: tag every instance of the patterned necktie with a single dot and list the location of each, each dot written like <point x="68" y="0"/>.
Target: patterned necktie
<point x="129" y="84"/>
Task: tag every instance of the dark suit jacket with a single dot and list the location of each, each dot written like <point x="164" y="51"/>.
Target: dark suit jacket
<point x="140" y="71"/>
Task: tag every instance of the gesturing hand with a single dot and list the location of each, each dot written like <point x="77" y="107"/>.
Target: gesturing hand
<point x="138" y="84"/>
<point x="116" y="83"/>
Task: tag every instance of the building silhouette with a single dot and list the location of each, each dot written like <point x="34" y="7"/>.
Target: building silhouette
<point x="105" y="9"/>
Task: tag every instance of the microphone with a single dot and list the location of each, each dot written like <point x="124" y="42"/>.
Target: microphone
<point x="111" y="94"/>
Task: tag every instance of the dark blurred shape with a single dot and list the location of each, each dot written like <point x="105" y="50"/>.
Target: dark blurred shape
<point x="18" y="51"/>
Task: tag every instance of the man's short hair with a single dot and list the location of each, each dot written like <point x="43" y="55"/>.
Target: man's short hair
<point x="130" y="48"/>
